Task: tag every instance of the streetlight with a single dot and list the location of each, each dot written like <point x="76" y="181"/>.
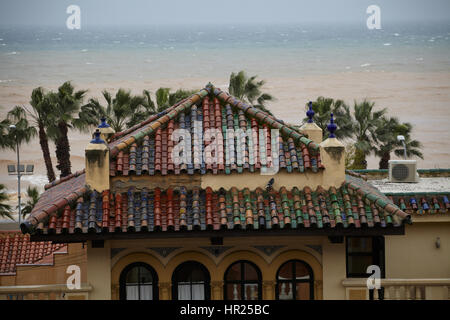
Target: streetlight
<point x="11" y="128"/>
<point x="402" y="139"/>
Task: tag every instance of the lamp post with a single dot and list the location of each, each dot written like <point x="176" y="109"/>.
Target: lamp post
<point x="13" y="127"/>
<point x="402" y="139"/>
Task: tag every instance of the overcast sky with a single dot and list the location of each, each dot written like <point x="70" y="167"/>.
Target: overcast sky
<point x="142" y="12"/>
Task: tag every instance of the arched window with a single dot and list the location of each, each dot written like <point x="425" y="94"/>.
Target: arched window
<point x="295" y="281"/>
<point x="242" y="281"/>
<point x="138" y="281"/>
<point x="190" y="281"/>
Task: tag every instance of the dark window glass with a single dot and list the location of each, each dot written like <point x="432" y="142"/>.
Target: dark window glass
<point x="138" y="281"/>
<point x="242" y="282"/>
<point x="363" y="252"/>
<point x="295" y="281"/>
<point x="190" y="281"/>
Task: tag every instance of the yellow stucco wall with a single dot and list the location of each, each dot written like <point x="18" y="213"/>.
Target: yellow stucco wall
<point x="334" y="270"/>
<point x="415" y="255"/>
<point x="99" y="271"/>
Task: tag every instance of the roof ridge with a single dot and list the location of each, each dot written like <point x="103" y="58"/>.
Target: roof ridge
<point x="367" y="191"/>
<point x="63" y="179"/>
<point x="120" y="134"/>
<point x="261" y="115"/>
<point x="153" y="123"/>
<point x="158" y="122"/>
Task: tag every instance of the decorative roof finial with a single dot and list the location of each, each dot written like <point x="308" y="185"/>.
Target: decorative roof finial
<point x="97" y="139"/>
<point x="103" y="123"/>
<point x="310" y="113"/>
<point x="332" y="127"/>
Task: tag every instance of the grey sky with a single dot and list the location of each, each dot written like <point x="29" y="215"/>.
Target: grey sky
<point x="142" y="12"/>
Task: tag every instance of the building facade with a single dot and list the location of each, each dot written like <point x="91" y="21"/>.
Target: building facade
<point x="215" y="199"/>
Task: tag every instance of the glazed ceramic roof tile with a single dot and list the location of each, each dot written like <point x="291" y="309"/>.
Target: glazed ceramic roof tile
<point x="180" y="209"/>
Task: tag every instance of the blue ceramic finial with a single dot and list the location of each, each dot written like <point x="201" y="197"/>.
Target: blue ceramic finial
<point x="103" y="123"/>
<point x="310" y="113"/>
<point x="332" y="127"/>
<point x="97" y="139"/>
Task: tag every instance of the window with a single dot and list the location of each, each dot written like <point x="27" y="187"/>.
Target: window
<point x="363" y="252"/>
<point x="242" y="282"/>
<point x="190" y="281"/>
<point x="138" y="281"/>
<point x="295" y="281"/>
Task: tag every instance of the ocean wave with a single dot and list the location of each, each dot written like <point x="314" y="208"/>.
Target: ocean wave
<point x="365" y="65"/>
<point x="387" y="44"/>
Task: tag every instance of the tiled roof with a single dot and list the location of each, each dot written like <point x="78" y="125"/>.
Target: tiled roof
<point x="422" y="203"/>
<point x="179" y="209"/>
<point x="55" y="198"/>
<point x="17" y="249"/>
<point x="148" y="149"/>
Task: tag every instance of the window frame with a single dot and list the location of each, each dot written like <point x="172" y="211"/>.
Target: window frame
<point x="294" y="281"/>
<point x="207" y="283"/>
<point x="377" y="254"/>
<point x="242" y="281"/>
<point x="123" y="280"/>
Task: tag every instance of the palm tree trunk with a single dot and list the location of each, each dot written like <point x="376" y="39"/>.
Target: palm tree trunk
<point x="360" y="160"/>
<point x="63" y="151"/>
<point x="384" y="161"/>
<point x="43" y="141"/>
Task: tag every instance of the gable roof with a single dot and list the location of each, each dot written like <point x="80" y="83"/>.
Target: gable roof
<point x="147" y="148"/>
<point x="139" y="150"/>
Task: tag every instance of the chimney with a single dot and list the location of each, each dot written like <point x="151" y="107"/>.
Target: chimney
<point x="106" y="132"/>
<point x="97" y="164"/>
<point x="332" y="154"/>
<point x="311" y="129"/>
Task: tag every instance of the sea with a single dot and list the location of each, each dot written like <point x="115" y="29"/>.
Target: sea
<point x="49" y="55"/>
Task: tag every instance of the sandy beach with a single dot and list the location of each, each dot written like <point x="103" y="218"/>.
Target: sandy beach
<point x="419" y="98"/>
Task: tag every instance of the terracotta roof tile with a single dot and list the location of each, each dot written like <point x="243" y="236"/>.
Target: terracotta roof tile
<point x="354" y="204"/>
<point x="17" y="249"/>
<point x="153" y="154"/>
<point x="422" y="203"/>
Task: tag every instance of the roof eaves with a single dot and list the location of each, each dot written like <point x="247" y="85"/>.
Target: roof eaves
<point x="367" y="191"/>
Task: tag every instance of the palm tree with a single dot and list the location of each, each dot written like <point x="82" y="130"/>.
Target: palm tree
<point x="121" y="111"/>
<point x="166" y="99"/>
<point x="248" y="90"/>
<point x="323" y="107"/>
<point x="5" y="209"/>
<point x="412" y="146"/>
<point x="387" y="132"/>
<point x="66" y="104"/>
<point x="22" y="133"/>
<point x="33" y="198"/>
<point x="41" y="108"/>
<point x="366" y="121"/>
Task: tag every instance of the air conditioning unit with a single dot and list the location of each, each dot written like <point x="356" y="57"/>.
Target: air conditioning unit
<point x="403" y="171"/>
